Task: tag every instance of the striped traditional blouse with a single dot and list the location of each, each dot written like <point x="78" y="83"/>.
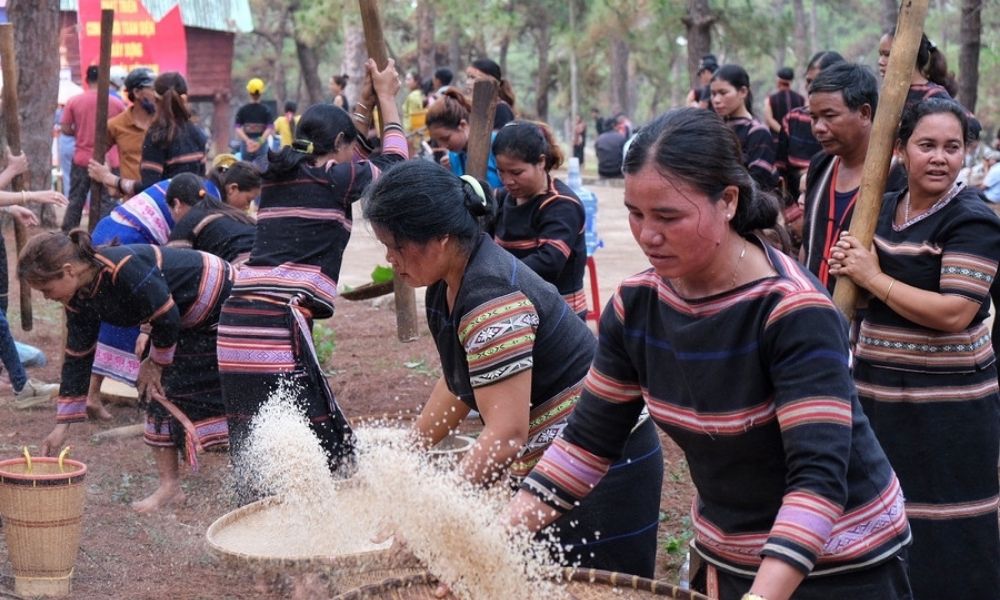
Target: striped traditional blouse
<point x="507" y="320"/>
<point x="304" y="222"/>
<point x="546" y="233"/>
<point x="949" y="249"/>
<point x="169" y="288"/>
<point x="753" y="384"/>
<point x="758" y="150"/>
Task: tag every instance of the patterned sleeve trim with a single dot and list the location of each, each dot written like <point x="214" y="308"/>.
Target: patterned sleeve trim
<point x="71" y="409"/>
<point x="610" y="389"/>
<point x="828" y="410"/>
<point x="565" y="474"/>
<point x="499" y="338"/>
<point x="163" y="356"/>
<point x="801" y="529"/>
<point x="967" y="275"/>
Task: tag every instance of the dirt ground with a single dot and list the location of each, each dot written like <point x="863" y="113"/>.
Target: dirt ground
<point x="164" y="555"/>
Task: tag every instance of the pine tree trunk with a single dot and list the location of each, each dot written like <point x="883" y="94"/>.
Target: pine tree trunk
<point x="309" y="65"/>
<point x="698" y="22"/>
<point x="890" y="13"/>
<point x="542" y="43"/>
<point x="425" y="39"/>
<point x="353" y="62"/>
<point x="801" y="36"/>
<point x="619" y="75"/>
<point x="968" y="54"/>
<point x="36" y="43"/>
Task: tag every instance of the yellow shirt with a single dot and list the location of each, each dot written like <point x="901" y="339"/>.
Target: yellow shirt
<point x="284" y="131"/>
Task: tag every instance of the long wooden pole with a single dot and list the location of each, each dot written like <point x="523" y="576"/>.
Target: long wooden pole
<point x="101" y="125"/>
<point x="892" y="98"/>
<point x="12" y="125"/>
<point x="484" y="106"/>
<point x="406" y="298"/>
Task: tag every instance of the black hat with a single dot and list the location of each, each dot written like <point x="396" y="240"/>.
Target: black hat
<point x="139" y="78"/>
<point x="708" y="63"/>
<point x="786" y="74"/>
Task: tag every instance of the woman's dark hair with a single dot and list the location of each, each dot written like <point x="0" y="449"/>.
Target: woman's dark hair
<point x="527" y="141"/>
<point x="737" y="77"/>
<point x="449" y="110"/>
<point x="696" y="146"/>
<point x="171" y="111"/>
<point x="44" y="255"/>
<point x="932" y="106"/>
<point x="823" y="59"/>
<point x="856" y="83"/>
<point x="189" y="189"/>
<point x="491" y="68"/>
<point x="321" y="130"/>
<point x="418" y="201"/>
<point x="243" y="174"/>
<point x="932" y="63"/>
<point x="340" y="80"/>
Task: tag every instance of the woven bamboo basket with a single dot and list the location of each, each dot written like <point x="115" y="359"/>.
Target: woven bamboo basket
<point x="342" y="572"/>
<point x="581" y="584"/>
<point x="42" y="510"/>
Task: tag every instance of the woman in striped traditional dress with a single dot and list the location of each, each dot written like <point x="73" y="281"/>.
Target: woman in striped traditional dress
<point x="179" y="294"/>
<point x="206" y="223"/>
<point x="739" y="355"/>
<point x="303" y="226"/>
<point x="732" y="100"/>
<point x="540" y="219"/>
<point x="511" y="349"/>
<point x="925" y="367"/>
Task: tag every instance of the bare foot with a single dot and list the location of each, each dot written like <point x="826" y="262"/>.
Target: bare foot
<point x="98" y="412"/>
<point x="164" y="495"/>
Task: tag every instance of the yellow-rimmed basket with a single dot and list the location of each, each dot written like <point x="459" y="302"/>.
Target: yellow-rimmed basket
<point x="41" y="501"/>
<point x="581" y="584"/>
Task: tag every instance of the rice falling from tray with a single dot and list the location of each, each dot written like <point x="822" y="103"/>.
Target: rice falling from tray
<point x="449" y="525"/>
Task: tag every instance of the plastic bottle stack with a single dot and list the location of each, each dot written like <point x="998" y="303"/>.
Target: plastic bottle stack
<point x="589" y="200"/>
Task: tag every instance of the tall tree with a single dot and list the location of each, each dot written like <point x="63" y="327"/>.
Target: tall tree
<point x="698" y="22"/>
<point x="970" y="36"/>
<point x="890" y="12"/>
<point x="426" y="55"/>
<point x="800" y="34"/>
<point x="36" y="43"/>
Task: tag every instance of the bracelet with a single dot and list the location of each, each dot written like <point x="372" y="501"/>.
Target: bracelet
<point x="24" y="197"/>
<point x="360" y="118"/>
<point x="361" y="105"/>
<point x="888" y="291"/>
<point x="750" y="596"/>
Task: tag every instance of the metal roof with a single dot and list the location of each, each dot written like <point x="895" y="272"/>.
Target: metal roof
<point x="217" y="15"/>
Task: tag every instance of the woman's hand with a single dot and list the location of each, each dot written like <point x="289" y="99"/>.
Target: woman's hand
<point x="48" y="197"/>
<point x="25" y="216"/>
<point x="141" y="341"/>
<point x="386" y="82"/>
<point x="16" y="163"/>
<point x="101" y="173"/>
<point x="849" y="258"/>
<point x="54" y="441"/>
<point x="149" y="383"/>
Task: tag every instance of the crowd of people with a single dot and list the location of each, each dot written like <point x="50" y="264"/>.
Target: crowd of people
<point x="830" y="459"/>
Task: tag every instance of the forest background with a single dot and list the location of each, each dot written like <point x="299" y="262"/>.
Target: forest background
<point x="564" y="57"/>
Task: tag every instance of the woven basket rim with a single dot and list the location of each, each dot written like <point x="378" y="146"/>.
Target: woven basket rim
<point x="357" y="558"/>
<point x="568" y="574"/>
<point x="78" y="469"/>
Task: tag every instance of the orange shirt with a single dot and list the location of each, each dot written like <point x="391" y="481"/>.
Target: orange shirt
<point x="124" y="133"/>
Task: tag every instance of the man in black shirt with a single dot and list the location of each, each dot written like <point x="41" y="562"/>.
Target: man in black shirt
<point x="609" y="147"/>
<point x="254" y="122"/>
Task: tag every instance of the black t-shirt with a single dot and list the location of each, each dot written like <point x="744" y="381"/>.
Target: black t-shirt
<point x="254" y="118"/>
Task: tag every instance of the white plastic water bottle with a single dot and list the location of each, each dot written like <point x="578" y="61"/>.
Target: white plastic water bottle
<point x="589" y="200"/>
<point x="684" y="573"/>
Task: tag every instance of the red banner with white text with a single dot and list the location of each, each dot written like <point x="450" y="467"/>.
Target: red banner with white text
<point x="136" y="41"/>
